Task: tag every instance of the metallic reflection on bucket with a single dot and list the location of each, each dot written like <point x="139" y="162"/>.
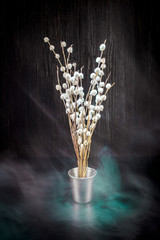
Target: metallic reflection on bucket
<point x="82" y="188"/>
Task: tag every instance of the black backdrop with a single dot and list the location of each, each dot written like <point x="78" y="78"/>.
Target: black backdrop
<point x="33" y="123"/>
<point x="130" y="121"/>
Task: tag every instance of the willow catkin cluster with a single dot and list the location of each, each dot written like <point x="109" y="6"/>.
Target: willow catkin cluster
<point x="83" y="111"/>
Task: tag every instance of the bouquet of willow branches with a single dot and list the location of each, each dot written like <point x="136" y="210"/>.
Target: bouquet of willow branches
<point x="83" y="111"/>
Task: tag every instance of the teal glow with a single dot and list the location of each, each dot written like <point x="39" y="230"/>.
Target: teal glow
<point x="46" y="200"/>
<point x="110" y="204"/>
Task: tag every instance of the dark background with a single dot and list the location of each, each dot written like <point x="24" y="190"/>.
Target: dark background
<point x="34" y="128"/>
<point x="130" y="121"/>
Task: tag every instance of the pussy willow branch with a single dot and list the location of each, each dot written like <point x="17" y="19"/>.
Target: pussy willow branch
<point x="70" y="124"/>
<point x="64" y="56"/>
<point x="74" y="141"/>
<point x="82" y="150"/>
<point x="55" y="55"/>
<point x="91" y="86"/>
<point x="60" y="84"/>
<point x="68" y="56"/>
<point x="90" y="137"/>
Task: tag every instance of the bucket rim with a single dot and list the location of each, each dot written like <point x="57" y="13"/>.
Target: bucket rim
<point x="84" y="178"/>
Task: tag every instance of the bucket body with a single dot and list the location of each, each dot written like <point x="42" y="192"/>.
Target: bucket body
<point x="82" y="188"/>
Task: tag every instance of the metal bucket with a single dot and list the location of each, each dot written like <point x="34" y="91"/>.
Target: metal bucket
<point x="82" y="188"/>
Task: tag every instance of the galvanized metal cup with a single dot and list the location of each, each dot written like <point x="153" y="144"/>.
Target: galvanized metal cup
<point x="82" y="188"/>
